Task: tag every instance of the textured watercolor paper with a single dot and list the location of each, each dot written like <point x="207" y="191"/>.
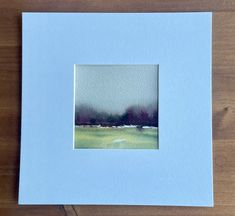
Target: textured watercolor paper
<point x="177" y="169"/>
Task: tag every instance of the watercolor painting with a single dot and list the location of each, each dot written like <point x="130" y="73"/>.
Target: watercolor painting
<point x="116" y="107"/>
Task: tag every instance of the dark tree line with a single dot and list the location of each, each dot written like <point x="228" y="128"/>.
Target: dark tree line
<point x="134" y="115"/>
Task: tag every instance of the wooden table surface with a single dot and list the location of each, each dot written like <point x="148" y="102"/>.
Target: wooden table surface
<point x="223" y="103"/>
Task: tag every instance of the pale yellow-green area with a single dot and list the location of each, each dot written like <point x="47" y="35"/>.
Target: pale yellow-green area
<point x="115" y="138"/>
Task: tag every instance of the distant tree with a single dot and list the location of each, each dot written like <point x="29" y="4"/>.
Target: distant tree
<point x="153" y="121"/>
<point x="93" y="121"/>
<point x="124" y="119"/>
<point x="113" y="119"/>
<point x="84" y="114"/>
<point x="133" y="115"/>
<point x="144" y="117"/>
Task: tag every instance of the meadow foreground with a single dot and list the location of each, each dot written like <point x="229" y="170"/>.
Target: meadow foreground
<point x="115" y="138"/>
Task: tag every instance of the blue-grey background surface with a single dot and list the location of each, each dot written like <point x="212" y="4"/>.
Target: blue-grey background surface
<point x="179" y="173"/>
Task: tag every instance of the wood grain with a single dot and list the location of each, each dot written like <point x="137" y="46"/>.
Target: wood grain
<point x="223" y="103"/>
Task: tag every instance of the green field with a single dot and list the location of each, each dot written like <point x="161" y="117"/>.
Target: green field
<point x="115" y="138"/>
